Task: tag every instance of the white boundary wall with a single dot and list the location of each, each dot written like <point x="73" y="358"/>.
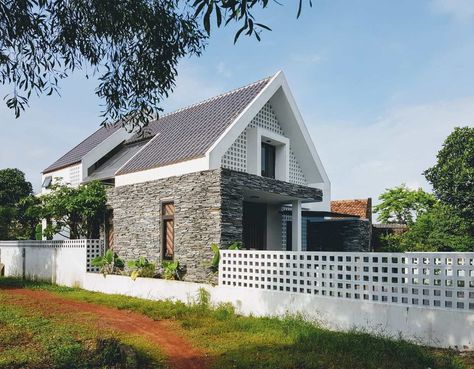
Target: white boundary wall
<point x="61" y="262"/>
<point x="438" y="326"/>
<point x="433" y="327"/>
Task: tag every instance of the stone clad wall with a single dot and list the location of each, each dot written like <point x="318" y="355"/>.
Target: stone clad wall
<point x="351" y="235"/>
<point x="233" y="185"/>
<point x="137" y="219"/>
<point x="208" y="209"/>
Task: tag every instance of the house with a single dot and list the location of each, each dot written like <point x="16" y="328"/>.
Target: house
<point x="240" y="166"/>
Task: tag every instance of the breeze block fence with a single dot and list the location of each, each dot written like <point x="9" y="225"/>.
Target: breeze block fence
<point x="435" y="280"/>
<point x="424" y="297"/>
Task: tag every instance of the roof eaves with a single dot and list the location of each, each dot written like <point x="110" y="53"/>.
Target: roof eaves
<point x="270" y="81"/>
<point x="54" y="169"/>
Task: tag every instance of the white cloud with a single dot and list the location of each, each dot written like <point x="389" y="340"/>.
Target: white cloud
<point x="223" y="70"/>
<point x="362" y="161"/>
<point x="462" y="10"/>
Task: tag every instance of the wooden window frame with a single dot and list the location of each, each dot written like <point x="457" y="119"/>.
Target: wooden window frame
<point x="164" y="219"/>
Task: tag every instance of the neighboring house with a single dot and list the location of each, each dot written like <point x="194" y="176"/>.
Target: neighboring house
<point x="237" y="167"/>
<point x="361" y="208"/>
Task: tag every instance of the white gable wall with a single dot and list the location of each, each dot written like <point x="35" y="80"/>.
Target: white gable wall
<point x="233" y="150"/>
<point x="71" y="175"/>
<point x="236" y="157"/>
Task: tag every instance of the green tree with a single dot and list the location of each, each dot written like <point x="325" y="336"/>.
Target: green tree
<point x="14" y="208"/>
<point x="133" y="46"/>
<point x="79" y="210"/>
<point x="28" y="216"/>
<point x="439" y="229"/>
<point x="13" y="186"/>
<point x="452" y="177"/>
<point x="401" y="205"/>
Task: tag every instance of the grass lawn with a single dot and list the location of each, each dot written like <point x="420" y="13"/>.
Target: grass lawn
<point x="29" y="339"/>
<point x="232" y="341"/>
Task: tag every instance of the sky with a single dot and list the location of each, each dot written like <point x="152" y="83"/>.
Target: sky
<point x="380" y="85"/>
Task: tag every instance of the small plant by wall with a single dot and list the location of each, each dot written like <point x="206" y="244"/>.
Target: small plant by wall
<point x="172" y="270"/>
<point x="109" y="263"/>
<point x="214" y="265"/>
<point x="141" y="267"/>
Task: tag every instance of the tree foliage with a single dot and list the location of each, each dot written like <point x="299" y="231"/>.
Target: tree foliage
<point x="446" y="224"/>
<point x="439" y="229"/>
<point x="13" y="186"/>
<point x="402" y="205"/>
<point x="18" y="207"/>
<point x="132" y="46"/>
<point x="79" y="210"/>
<point x="452" y="177"/>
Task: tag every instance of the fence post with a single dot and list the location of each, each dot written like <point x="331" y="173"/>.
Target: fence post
<point x="54" y="268"/>
<point x="23" y="256"/>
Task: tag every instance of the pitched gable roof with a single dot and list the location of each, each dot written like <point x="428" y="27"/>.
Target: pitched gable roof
<point x="77" y="153"/>
<point x="189" y="132"/>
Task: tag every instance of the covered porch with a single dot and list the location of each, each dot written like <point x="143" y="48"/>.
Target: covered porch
<point x="253" y="211"/>
<point x="272" y="221"/>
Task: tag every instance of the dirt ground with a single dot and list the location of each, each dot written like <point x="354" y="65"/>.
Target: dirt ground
<point x="181" y="354"/>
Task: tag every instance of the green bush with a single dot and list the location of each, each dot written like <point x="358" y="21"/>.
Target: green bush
<point x="172" y="270"/>
<point x="141" y="267"/>
<point x="109" y="263"/>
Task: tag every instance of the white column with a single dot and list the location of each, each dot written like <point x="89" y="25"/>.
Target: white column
<point x="296" y="222"/>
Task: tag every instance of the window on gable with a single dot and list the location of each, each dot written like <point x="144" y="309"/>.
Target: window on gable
<point x="268" y="160"/>
<point x="47" y="181"/>
<point x="167" y="218"/>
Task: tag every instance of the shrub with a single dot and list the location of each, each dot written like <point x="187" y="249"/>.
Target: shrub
<point x="214" y="266"/>
<point x="141" y="267"/>
<point x="109" y="263"/>
<point x="172" y="270"/>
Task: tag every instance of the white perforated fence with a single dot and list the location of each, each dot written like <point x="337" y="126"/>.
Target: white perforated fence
<point x="435" y="280"/>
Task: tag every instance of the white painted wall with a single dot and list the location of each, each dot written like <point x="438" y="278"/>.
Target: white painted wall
<point x="71" y="175"/>
<point x="430" y="326"/>
<point x="186" y="167"/>
<point x="434" y="327"/>
<point x="61" y="262"/>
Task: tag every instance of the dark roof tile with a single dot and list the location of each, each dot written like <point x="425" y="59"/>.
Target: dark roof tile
<point x="189" y="132"/>
<point x="76" y="154"/>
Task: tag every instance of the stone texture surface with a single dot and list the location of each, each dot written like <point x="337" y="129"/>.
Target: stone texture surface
<point x="340" y="235"/>
<point x="208" y="209"/>
<point x="137" y="219"/>
<point x="233" y="186"/>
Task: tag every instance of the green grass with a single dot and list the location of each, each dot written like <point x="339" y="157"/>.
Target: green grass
<point x="262" y="343"/>
<point x="28" y="339"/>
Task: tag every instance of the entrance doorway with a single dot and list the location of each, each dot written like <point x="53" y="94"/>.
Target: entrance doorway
<point x="254" y="224"/>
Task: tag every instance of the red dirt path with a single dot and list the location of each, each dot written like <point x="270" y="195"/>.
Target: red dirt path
<point x="180" y="353"/>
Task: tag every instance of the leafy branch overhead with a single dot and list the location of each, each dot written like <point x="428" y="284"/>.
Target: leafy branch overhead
<point x="131" y="46"/>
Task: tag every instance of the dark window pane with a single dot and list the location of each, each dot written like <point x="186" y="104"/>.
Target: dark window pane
<point x="268" y="160"/>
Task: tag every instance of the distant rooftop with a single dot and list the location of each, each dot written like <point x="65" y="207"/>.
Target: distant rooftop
<point x="357" y="207"/>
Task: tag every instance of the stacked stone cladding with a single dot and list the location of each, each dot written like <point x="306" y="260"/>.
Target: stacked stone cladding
<point x="208" y="209"/>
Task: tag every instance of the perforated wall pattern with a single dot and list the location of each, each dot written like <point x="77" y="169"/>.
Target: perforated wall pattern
<point x="75" y="175"/>
<point x="236" y="156"/>
<point x="435" y="280"/>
